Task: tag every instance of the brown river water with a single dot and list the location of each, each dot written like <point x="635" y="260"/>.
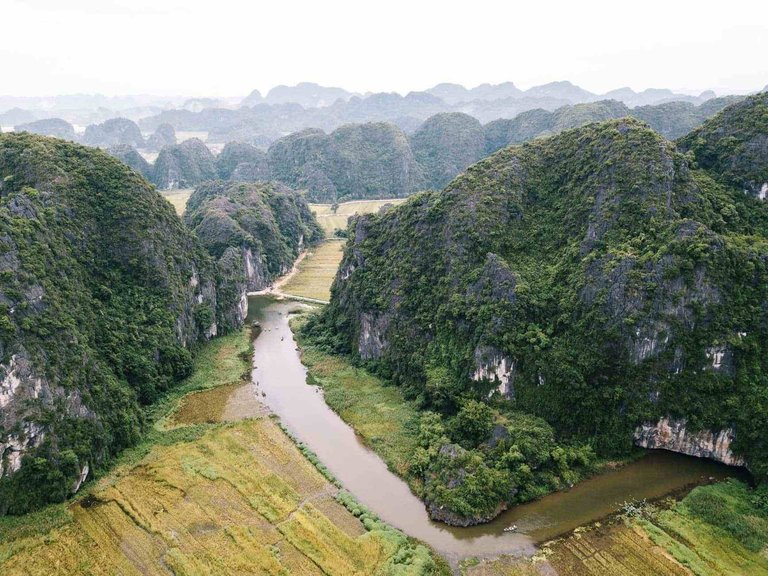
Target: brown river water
<point x="279" y="374"/>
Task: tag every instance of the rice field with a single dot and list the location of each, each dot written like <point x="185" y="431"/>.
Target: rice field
<point x="331" y="221"/>
<point x="226" y="498"/>
<point x="615" y="549"/>
<point x="178" y="198"/>
<point x="316" y="272"/>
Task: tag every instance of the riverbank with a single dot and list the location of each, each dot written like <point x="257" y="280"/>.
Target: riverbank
<point x="205" y="496"/>
<point x="715" y="530"/>
<point x="671" y="537"/>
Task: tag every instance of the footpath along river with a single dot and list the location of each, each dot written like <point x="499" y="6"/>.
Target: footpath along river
<point x="280" y="375"/>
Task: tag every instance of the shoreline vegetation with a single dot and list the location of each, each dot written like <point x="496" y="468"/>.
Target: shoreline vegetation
<point x="211" y="497"/>
<point x="702" y="532"/>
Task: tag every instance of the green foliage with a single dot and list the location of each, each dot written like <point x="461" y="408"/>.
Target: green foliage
<point x="95" y="302"/>
<point x="355" y="161"/>
<point x="411" y="558"/>
<point x="445" y="144"/>
<point x="184" y="165"/>
<point x="732" y="145"/>
<point x="473" y="422"/>
<point x="598" y="268"/>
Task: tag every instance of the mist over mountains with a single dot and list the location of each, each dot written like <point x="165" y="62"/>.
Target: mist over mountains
<point x="83" y="109"/>
<point x="337" y="144"/>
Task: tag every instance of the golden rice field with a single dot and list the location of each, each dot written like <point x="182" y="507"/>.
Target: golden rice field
<point x="331" y="220"/>
<point x="615" y="549"/>
<point x="316" y="272"/>
<point x="178" y="198"/>
<point x="228" y="498"/>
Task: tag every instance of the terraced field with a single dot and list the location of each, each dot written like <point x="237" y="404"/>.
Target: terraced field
<point x="332" y="220"/>
<point x="211" y="498"/>
<point x="616" y="549"/>
<point x="316" y="272"/>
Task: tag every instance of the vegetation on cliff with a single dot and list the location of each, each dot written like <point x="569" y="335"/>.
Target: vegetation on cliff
<point x="103" y="295"/>
<point x="594" y="279"/>
<point x="445" y="144"/>
<point x="254" y="231"/>
<point x="355" y="161"/>
<point x="114" y="132"/>
<point x="733" y="146"/>
<point x="184" y="165"/>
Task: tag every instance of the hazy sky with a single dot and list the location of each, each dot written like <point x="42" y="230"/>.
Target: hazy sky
<point x="229" y="47"/>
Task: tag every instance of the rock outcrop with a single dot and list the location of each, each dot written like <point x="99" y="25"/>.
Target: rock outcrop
<point x="164" y="135"/>
<point x="254" y="231"/>
<point x="733" y="145"/>
<point x="184" y="165"/>
<point x="92" y="257"/>
<point x="355" y="161"/>
<point x="672" y="434"/>
<point x="55" y="127"/>
<point x="131" y="157"/>
<point x="445" y="144"/>
<point x="242" y="162"/>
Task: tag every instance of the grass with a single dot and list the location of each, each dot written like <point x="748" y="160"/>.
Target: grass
<point x="178" y="198"/>
<point x="316" y="272"/>
<point x="332" y="221"/>
<point x="715" y="530"/>
<point x="384" y="419"/>
<point x="231" y="498"/>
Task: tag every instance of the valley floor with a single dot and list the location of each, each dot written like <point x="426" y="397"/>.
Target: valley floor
<point x="332" y="220"/>
<point x="315" y="272"/>
<point x="206" y="497"/>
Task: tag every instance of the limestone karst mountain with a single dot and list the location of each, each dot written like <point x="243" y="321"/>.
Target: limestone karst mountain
<point x="597" y="279"/>
<point x="104" y="294"/>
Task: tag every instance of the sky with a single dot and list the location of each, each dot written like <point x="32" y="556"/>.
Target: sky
<point x="229" y="47"/>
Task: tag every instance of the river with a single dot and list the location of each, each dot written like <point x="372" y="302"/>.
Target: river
<point x="280" y="380"/>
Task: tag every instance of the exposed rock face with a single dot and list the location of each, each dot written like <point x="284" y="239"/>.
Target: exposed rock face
<point x="92" y="255"/>
<point x="114" y="132"/>
<point x="254" y="232"/>
<point x="496" y="367"/>
<point x="672" y="434"/>
<point x="372" y="340"/>
<point x="568" y="272"/>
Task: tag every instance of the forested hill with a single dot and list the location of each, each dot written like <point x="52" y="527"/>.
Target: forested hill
<point x="733" y="146"/>
<point x="597" y="279"/>
<point x="379" y="160"/>
<point x="103" y="295"/>
<point x="254" y="232"/>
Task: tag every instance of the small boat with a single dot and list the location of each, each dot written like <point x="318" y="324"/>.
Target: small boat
<point x="512" y="528"/>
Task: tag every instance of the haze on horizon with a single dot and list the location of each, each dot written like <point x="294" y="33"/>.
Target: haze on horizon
<point x="228" y="48"/>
